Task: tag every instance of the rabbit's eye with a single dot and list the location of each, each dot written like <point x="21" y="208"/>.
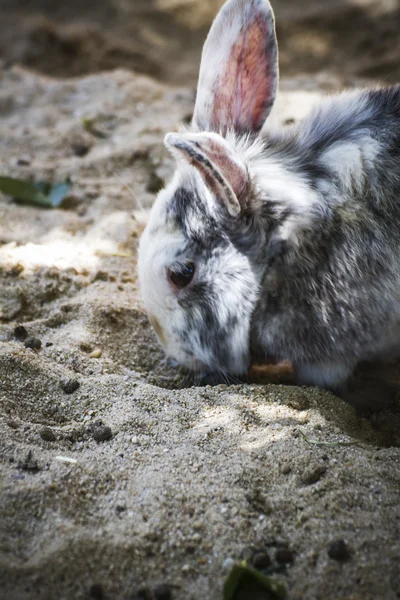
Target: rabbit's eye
<point x="181" y="274"/>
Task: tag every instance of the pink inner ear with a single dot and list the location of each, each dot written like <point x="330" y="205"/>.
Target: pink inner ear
<point x="234" y="173"/>
<point x="246" y="90"/>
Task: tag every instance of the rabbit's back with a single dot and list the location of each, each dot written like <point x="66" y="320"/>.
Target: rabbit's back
<point x="336" y="291"/>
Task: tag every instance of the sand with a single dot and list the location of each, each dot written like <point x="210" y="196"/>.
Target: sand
<point x="169" y="483"/>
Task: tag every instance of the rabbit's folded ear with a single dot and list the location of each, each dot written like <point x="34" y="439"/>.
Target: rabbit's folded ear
<point x="239" y="69"/>
<point x="218" y="164"/>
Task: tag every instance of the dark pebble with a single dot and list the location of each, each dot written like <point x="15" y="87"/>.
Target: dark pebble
<point x="260" y="561"/>
<point x="69" y="386"/>
<point x="96" y="591"/>
<point x="284" y="556"/>
<point x="47" y="434"/>
<point x="120" y="509"/>
<point x="339" y="550"/>
<point x="23" y="162"/>
<point x="49" y="344"/>
<point x="102" y="433"/>
<point x="32" y="342"/>
<point x="101" y="276"/>
<point x="20" y="333"/>
<point x="80" y="148"/>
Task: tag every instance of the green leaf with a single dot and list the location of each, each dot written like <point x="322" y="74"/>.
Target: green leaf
<point x="244" y="582"/>
<point x="41" y="193"/>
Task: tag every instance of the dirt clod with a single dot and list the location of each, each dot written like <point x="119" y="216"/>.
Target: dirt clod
<point x="47" y="434"/>
<point x="20" y="333"/>
<point x="101" y="433"/>
<point x="69" y="386"/>
<point x="33" y="343"/>
<point x="261" y="560"/>
<point x="85" y="347"/>
<point x="80" y="148"/>
<point x="339" y="550"/>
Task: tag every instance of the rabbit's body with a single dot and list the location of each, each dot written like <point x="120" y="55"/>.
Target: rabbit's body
<point x="284" y="245"/>
<point x="331" y="297"/>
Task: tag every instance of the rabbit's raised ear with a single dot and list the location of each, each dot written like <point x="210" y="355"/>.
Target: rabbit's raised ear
<point x="239" y="69"/>
<point x="218" y="164"/>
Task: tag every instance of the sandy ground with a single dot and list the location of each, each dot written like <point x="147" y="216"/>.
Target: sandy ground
<point x="170" y="482"/>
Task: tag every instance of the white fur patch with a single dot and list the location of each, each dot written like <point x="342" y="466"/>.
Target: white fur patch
<point x="348" y="161"/>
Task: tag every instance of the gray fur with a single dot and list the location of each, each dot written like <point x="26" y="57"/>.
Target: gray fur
<point x="335" y="298"/>
<point x="309" y="271"/>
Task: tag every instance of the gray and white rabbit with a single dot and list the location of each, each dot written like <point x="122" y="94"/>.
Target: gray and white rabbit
<point x="284" y="245"/>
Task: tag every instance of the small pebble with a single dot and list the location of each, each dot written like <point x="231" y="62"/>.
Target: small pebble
<point x="339" y="550"/>
<point x="228" y="564"/>
<point x="102" y="433"/>
<point x="96" y="591"/>
<point x="69" y="386"/>
<point x="97" y="352"/>
<point x="80" y="148"/>
<point x="285" y="469"/>
<point x="47" y="434"/>
<point x="260" y="560"/>
<point x="20" y="333"/>
<point x="33" y="343"/>
<point x="284" y="556"/>
<point x="186" y="568"/>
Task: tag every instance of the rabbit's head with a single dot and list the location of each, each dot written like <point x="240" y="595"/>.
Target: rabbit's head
<point x="197" y="280"/>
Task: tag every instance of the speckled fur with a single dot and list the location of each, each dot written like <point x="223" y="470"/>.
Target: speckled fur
<point x="309" y="270"/>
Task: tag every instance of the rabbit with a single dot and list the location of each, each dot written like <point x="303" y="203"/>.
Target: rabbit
<point x="282" y="244"/>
